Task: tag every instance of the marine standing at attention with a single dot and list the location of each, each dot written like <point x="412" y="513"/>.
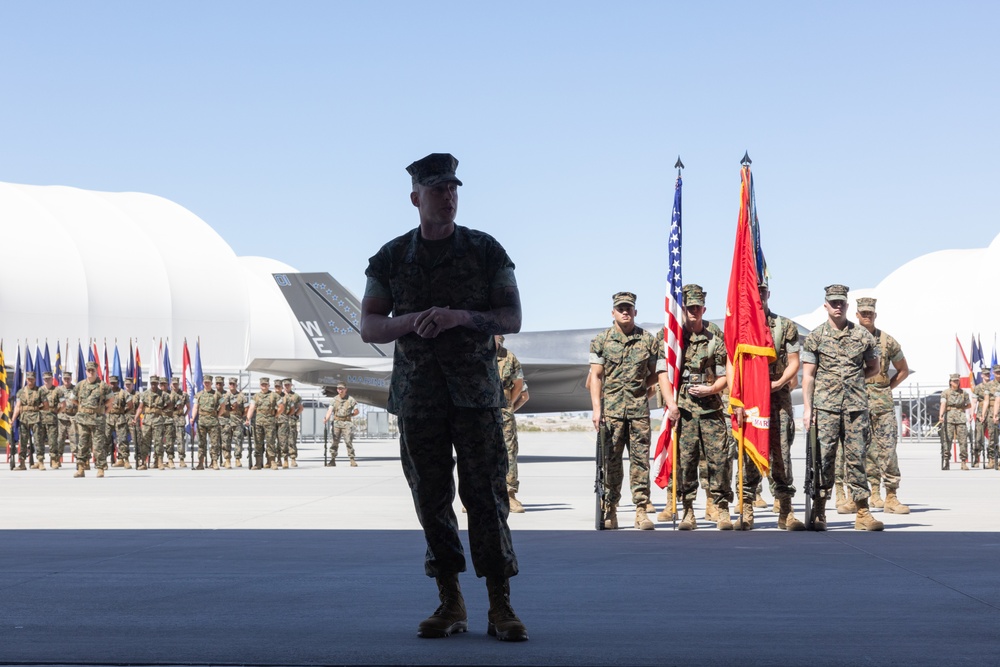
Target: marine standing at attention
<point x="441" y="292"/>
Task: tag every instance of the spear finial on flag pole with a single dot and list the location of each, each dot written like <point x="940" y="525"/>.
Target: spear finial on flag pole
<point x="746" y="161"/>
<point x="679" y="165"/>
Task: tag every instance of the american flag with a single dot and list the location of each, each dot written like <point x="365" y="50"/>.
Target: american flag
<point x="672" y="337"/>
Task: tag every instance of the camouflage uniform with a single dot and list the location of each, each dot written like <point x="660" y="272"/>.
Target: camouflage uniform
<point x="264" y="432"/>
<point x="167" y="415"/>
<point x="629" y="360"/>
<point x="152" y="401"/>
<point x="882" y="461"/>
<point x="93" y="398"/>
<point x="701" y="430"/>
<point x="179" y="400"/>
<point x="781" y="433"/>
<point x="48" y="425"/>
<point x="207" y="403"/>
<point x="840" y="399"/>
<point x="343" y="426"/>
<point x="29" y="399"/>
<point x="446" y="393"/>
<point x="281" y="423"/>
<point x="65" y="397"/>
<point x="956" y="402"/>
<point x="288" y="430"/>
<point x="511" y="372"/>
<point x="134" y="438"/>
<point x="232" y="413"/>
<point x="985" y="428"/>
<point x="116" y="421"/>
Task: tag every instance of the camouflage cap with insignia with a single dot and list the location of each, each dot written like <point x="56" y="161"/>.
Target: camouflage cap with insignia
<point x="865" y="304"/>
<point x="995" y="369"/>
<point x="67" y="375"/>
<point x="30" y="375"/>
<point x="129" y="380"/>
<point x="207" y="379"/>
<point x="233" y="381"/>
<point x="694" y="295"/>
<point x="47" y="375"/>
<point x="623" y="297"/>
<point x="837" y="292"/>
<point x="954" y="377"/>
<point x="163" y="379"/>
<point x="286" y="381"/>
<point x="113" y="379"/>
<point x="341" y="385"/>
<point x="433" y="169"/>
<point x="175" y="379"/>
<point x="220" y="379"/>
<point x="91" y="366"/>
<point x="265" y="380"/>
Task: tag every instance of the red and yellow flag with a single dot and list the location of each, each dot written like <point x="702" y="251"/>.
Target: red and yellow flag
<point x="748" y="338"/>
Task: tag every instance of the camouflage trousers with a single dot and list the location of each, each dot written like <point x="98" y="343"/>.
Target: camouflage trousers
<point x="847" y="431"/>
<point x="48" y="435"/>
<point x="882" y="463"/>
<point x="152" y="438"/>
<point x="92" y="443"/>
<point x="116" y="434"/>
<point x="510" y="442"/>
<point x="959" y="432"/>
<point x="67" y="436"/>
<point x="29" y="435"/>
<point x="265" y="435"/>
<point x="232" y="431"/>
<point x="986" y="431"/>
<point x="633" y="435"/>
<point x="342" y="429"/>
<point x="704" y="433"/>
<point x="288" y="438"/>
<point x="209" y="436"/>
<point x="180" y="437"/>
<point x="170" y="436"/>
<point x="781" y="434"/>
<point x="426" y="444"/>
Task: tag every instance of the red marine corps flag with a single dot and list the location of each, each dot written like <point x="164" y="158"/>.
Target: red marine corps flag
<point x="748" y="339"/>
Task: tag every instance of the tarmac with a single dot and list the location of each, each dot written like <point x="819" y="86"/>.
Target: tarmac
<point x="317" y="565"/>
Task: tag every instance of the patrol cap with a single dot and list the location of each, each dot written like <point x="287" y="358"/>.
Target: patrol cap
<point x="47" y="375"/>
<point x="995" y="369"/>
<point x="265" y="380"/>
<point x="152" y="379"/>
<point x="67" y="375"/>
<point x="233" y="381"/>
<point x="694" y="295"/>
<point x="341" y="385"/>
<point x="837" y="292"/>
<point x="91" y="366"/>
<point x="433" y="169"/>
<point x="162" y="379"/>
<point x="954" y="377"/>
<point x="286" y="381"/>
<point x="113" y="379"/>
<point x="220" y="379"/>
<point x="128" y="380"/>
<point x="207" y="379"/>
<point x="623" y="297"/>
<point x="866" y="303"/>
<point x="175" y="379"/>
<point x="30" y="375"/>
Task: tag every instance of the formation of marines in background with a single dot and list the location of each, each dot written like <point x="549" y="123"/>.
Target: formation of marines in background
<point x="106" y="425"/>
<point x="847" y="393"/>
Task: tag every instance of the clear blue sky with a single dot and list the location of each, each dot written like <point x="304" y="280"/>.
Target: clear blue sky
<point x="287" y="127"/>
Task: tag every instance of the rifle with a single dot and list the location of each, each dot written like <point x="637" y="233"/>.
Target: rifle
<point x="326" y="433"/>
<point x="600" y="483"/>
<point x="31" y="448"/>
<point x="814" y="473"/>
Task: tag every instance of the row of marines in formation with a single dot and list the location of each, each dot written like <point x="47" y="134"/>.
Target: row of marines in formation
<point x="847" y="390"/>
<point x="99" y="421"/>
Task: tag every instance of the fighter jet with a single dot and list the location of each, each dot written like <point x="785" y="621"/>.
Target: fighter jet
<point x="555" y="363"/>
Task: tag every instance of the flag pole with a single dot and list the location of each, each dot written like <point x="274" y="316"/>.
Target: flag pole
<point x="673" y="430"/>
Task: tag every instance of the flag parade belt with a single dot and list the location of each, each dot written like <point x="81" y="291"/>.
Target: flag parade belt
<point x="698" y="379"/>
<point x="29" y="408"/>
<point x="90" y="411"/>
<point x="265" y="413"/>
<point x="346" y="421"/>
<point x="116" y="412"/>
<point x="154" y="411"/>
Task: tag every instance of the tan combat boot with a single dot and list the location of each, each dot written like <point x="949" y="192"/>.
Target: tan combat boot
<point x="688" y="522"/>
<point x="20" y="466"/>
<point x="238" y="463"/>
<point x="848" y="506"/>
<point x="181" y="463"/>
<point x="865" y="520"/>
<point x="711" y="511"/>
<point x="160" y="463"/>
<point x="786" y="517"/>
<point x="666" y="515"/>
<point x="841" y="498"/>
<point x="450" y="617"/>
<point x="515" y="505"/>
<point x="100" y="472"/>
<point x="79" y="471"/>
<point x="274" y="465"/>
<point x="503" y="622"/>
<point x="284" y="464"/>
<point x="215" y="463"/>
<point x="724" y="522"/>
<point x="642" y="521"/>
<point x="126" y="464"/>
<point x="610" y="518"/>
<point x="650" y="507"/>
<point x="892" y="504"/>
<point x="120" y="463"/>
<point x="292" y="462"/>
<point x="226" y="463"/>
<point x="759" y="501"/>
<point x="354" y="464"/>
<point x="201" y="464"/>
<point x="819" y="515"/>
<point x="875" y="500"/>
<point x="965" y="465"/>
<point x="776" y="507"/>
<point x="746" y="516"/>
<point x="170" y="463"/>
